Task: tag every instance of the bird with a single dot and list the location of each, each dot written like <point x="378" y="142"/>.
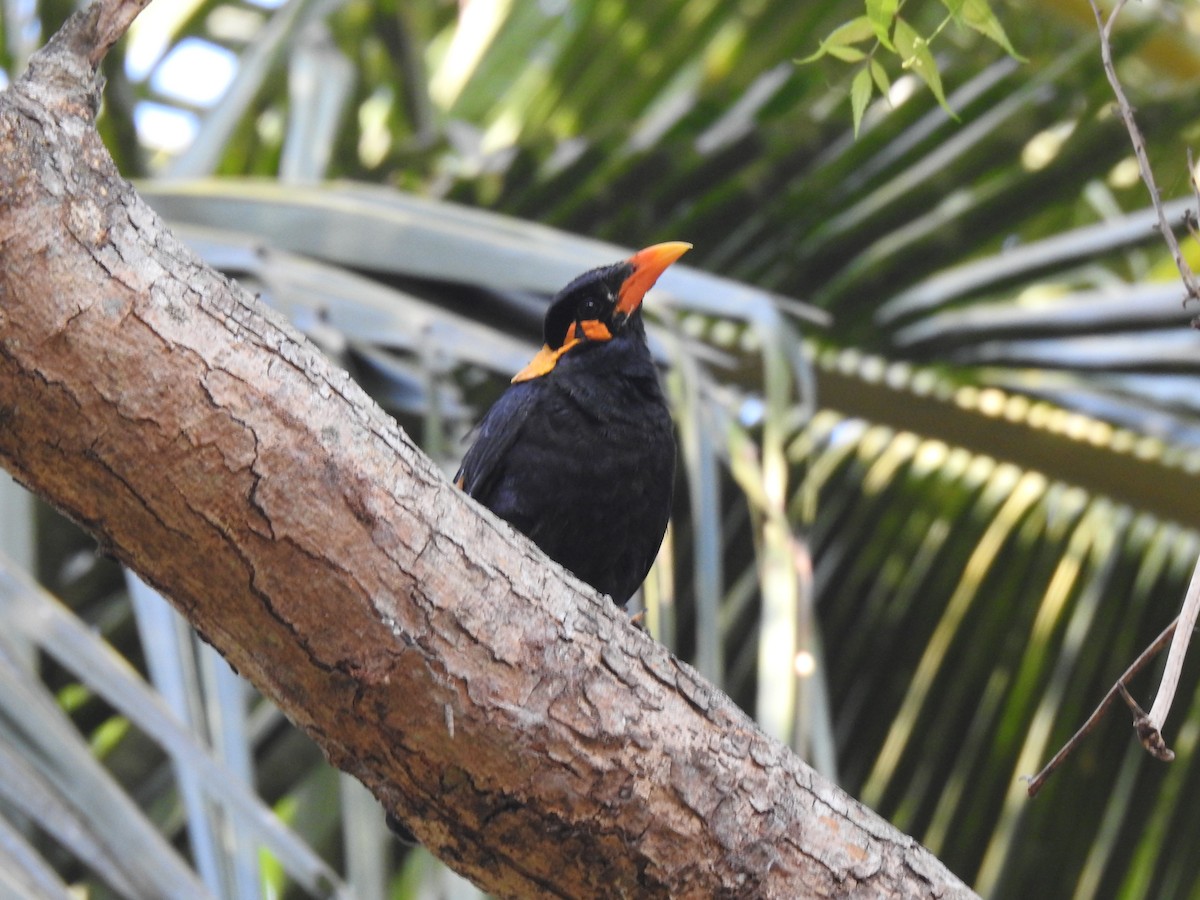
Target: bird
<point x="578" y="453"/>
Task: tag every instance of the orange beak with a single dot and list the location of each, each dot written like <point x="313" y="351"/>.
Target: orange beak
<point x="648" y="265"/>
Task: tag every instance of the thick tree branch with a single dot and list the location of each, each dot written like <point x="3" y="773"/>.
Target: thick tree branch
<point x="515" y="722"/>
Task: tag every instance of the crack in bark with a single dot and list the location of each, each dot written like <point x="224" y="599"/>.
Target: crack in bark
<point x="132" y="493"/>
<point x="264" y="599"/>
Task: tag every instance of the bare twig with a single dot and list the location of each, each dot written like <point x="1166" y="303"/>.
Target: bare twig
<point x="1190" y="282"/>
<point x="1179" y="645"/>
<point x="1149" y="726"/>
<point x="1190" y="220"/>
<point x="1039" y="780"/>
<point x="1194" y="182"/>
<point x="1147" y="733"/>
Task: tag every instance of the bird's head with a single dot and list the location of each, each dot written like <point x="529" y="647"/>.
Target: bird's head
<point x="599" y="305"/>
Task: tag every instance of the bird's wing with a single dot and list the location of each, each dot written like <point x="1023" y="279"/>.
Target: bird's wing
<point x="496" y="435"/>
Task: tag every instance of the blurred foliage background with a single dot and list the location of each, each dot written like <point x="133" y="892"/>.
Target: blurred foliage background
<point x="935" y="388"/>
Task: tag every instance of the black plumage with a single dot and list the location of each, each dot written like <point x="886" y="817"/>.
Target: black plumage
<point x="579" y="452"/>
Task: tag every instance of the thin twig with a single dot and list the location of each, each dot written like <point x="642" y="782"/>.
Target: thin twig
<point x="1179" y="645"/>
<point x="1194" y="181"/>
<point x="1150" y="726"/>
<point x="1191" y="284"/>
<point x="1149" y="735"/>
<point x="1038" y="781"/>
<point x="1190" y="220"/>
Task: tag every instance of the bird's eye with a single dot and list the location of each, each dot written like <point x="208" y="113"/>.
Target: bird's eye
<point x="589" y="308"/>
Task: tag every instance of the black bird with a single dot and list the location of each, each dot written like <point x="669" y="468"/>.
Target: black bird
<point x="579" y="453"/>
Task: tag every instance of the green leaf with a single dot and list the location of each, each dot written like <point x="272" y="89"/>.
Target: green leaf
<point x="860" y="95"/>
<point x="880" y="76"/>
<point x="882" y="14"/>
<point x="841" y="38"/>
<point x="914" y="51"/>
<point x="978" y="15"/>
<point x="847" y="54"/>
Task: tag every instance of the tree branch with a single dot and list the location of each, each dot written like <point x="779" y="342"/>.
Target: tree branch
<point x="511" y="718"/>
<point x="1125" y="109"/>
<point x="1149" y="726"/>
<point x="1038" y="781"/>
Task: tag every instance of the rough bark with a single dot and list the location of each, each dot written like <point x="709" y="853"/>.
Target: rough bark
<point x="523" y="730"/>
